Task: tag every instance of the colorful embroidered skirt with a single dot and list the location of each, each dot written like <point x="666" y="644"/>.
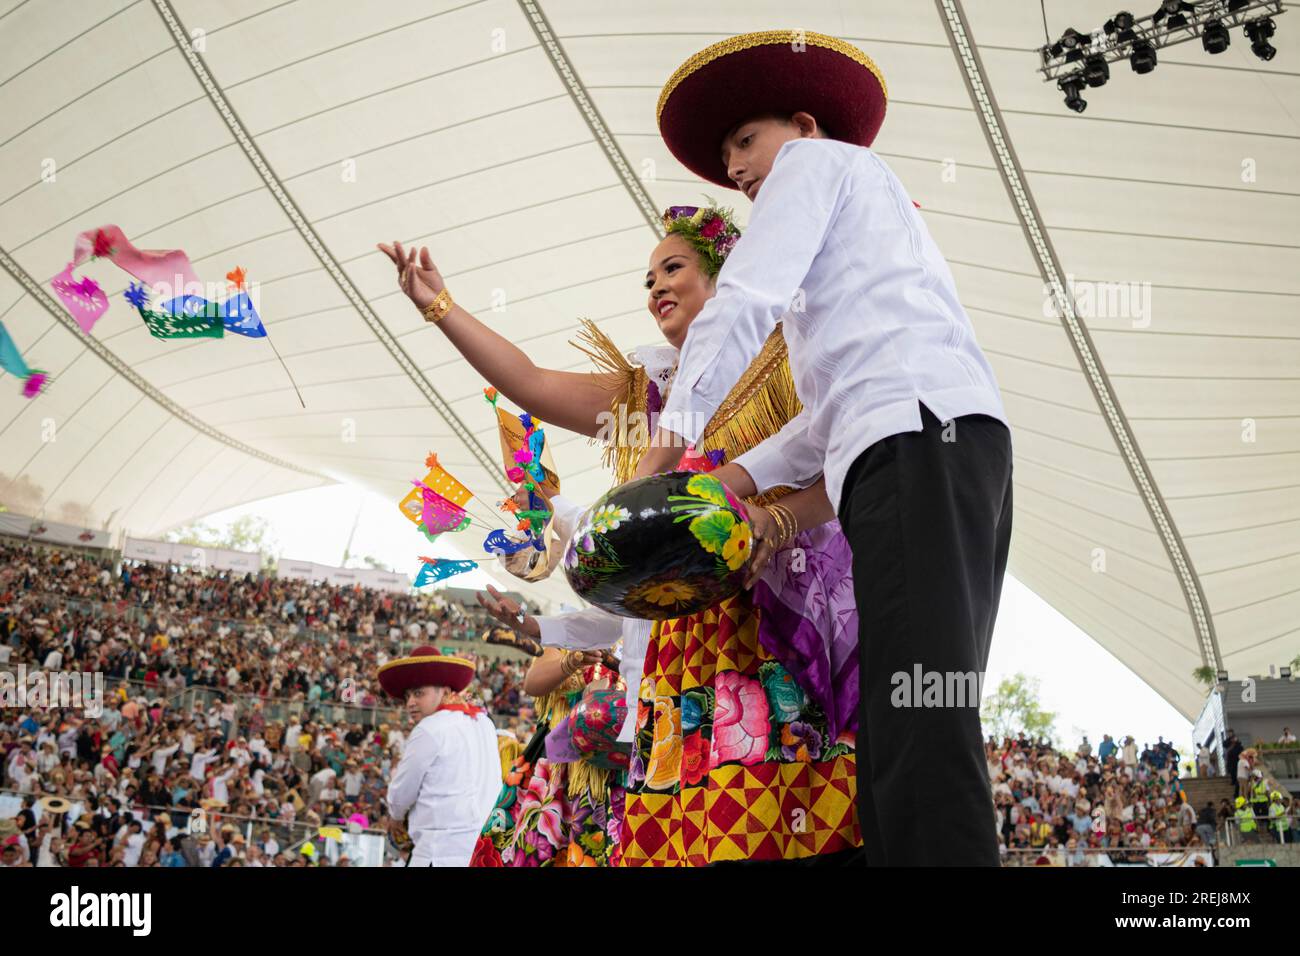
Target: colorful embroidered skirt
<point x="537" y="822"/>
<point x="731" y="760"/>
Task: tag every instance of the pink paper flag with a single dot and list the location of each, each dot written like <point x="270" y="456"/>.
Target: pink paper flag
<point x="437" y="513"/>
<point x="168" y="268"/>
<point x="83" y="298"/>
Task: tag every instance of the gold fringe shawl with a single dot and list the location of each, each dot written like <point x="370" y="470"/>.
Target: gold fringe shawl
<point x="627" y="398"/>
<point x="755" y="409"/>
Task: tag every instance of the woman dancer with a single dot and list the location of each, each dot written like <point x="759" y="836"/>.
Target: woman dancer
<point x="744" y="733"/>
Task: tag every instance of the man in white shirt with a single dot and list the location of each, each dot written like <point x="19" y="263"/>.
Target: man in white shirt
<point x="902" y="415"/>
<point x="450" y="773"/>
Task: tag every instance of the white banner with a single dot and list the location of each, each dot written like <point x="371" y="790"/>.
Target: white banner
<point x="246" y="562"/>
<point x="139" y="549"/>
<point x="389" y="581"/>
<point x="54" y="532"/>
<point x="191" y="555"/>
<point x="296" y="570"/>
<point x="16" y="525"/>
<point x="343" y="577"/>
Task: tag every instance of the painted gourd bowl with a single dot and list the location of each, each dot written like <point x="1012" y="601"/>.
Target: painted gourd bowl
<point x="660" y="547"/>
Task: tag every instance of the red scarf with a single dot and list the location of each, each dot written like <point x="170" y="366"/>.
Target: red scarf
<point x="453" y="702"/>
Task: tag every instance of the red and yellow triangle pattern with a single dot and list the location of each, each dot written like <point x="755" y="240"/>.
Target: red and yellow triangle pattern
<point x="770" y="811"/>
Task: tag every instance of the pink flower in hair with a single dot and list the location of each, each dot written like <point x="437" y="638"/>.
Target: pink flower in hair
<point x="713" y="227"/>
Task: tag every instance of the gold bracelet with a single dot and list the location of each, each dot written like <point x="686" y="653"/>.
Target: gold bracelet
<point x="782" y="529"/>
<point x="437" y="310"/>
<point x="790" y="526"/>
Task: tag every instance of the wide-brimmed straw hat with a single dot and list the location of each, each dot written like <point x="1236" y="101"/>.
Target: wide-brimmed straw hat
<point x="774" y="71"/>
<point x="425" y="667"/>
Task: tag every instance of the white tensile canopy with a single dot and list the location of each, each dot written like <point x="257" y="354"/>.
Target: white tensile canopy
<point x="1156" y="423"/>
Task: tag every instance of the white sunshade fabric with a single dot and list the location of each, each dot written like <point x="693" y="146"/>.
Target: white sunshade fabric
<point x="518" y="141"/>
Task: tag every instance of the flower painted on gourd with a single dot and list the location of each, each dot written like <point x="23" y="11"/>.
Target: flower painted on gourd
<point x="736" y="551"/>
<point x="523" y="456"/>
<point x="666" y="752"/>
<point x="713" y="530"/>
<point x="800" y="741"/>
<point x="786" y="698"/>
<point x="609" y="517"/>
<point x="516" y="474"/>
<point x="661" y="592"/>
<point x="740" y="720"/>
<point x="695" y="759"/>
<point x="709" y="488"/>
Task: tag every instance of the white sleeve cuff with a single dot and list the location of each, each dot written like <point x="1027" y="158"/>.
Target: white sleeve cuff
<point x="565" y="516"/>
<point x="769" y="468"/>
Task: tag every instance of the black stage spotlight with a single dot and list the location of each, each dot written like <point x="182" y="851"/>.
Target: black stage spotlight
<point x="1143" y="57"/>
<point x="1215" y="38"/>
<point x="1121" y="26"/>
<point x="1235" y="5"/>
<point x="1171" y="11"/>
<point x="1095" y="70"/>
<point x="1071" y="86"/>
<point x="1259" y="31"/>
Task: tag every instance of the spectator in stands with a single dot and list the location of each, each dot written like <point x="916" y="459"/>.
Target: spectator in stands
<point x="1232" y="748"/>
<point x="1106" y="748"/>
<point x="1287" y="737"/>
<point x="204" y="675"/>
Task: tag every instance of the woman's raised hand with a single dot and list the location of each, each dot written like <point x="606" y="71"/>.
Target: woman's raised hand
<point x="417" y="276"/>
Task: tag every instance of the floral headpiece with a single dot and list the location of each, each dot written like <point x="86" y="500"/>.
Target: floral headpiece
<point x="710" y="231"/>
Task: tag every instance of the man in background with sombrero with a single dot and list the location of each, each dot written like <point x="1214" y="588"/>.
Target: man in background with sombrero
<point x="902" y="414"/>
<point x="448" y="778"/>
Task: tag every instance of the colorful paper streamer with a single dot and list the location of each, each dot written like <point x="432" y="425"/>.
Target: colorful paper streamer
<point x="497" y="543"/>
<point x="236" y="313"/>
<point x="439" y="569"/>
<point x="164" y="325"/>
<point x="87" y="302"/>
<point x="11" y="360"/>
<point x="437" y="514"/>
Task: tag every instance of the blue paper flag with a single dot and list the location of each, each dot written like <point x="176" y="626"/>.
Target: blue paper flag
<point x="497" y="543"/>
<point x="433" y="571"/>
<point x="237" y="312"/>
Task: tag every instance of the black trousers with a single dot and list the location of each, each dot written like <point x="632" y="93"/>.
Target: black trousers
<point x="928" y="517"/>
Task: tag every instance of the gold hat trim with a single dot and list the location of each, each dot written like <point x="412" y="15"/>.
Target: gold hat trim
<point x="427" y="659"/>
<point x="747" y="41"/>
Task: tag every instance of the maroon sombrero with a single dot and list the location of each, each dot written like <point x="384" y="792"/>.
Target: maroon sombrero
<point x="776" y="71"/>
<point x="425" y="668"/>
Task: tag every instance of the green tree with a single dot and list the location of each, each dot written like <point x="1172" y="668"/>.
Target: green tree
<point x="248" y="533"/>
<point x="1014" y="707"/>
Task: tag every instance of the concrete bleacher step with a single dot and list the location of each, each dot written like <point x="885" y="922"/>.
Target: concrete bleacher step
<point x="1201" y="789"/>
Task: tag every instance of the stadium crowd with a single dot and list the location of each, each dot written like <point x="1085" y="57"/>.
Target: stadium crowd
<point x="254" y="700"/>
<point x="1112" y="806"/>
<point x="250" y="698"/>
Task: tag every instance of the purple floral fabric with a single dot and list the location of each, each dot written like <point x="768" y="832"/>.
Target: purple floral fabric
<point x="810" y="620"/>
